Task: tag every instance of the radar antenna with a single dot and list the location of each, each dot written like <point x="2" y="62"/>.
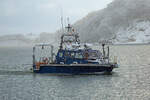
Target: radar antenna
<point x="69" y="26"/>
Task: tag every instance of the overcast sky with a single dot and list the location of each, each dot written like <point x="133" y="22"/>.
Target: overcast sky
<point x="26" y="16"/>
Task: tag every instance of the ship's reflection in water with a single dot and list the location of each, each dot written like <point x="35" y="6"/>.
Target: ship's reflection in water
<point x="130" y="81"/>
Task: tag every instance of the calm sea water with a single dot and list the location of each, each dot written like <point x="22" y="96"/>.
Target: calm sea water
<point x="131" y="81"/>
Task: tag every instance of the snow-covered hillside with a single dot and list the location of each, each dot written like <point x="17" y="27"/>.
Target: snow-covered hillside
<point x="122" y="21"/>
<point x="138" y="32"/>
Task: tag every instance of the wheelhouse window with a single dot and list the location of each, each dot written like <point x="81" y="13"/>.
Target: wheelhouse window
<point x="79" y="56"/>
<point x="72" y="54"/>
<point x="67" y="54"/>
<point x="94" y="54"/>
<point x="69" y="38"/>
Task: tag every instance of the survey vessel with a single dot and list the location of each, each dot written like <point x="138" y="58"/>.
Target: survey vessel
<point x="72" y="57"/>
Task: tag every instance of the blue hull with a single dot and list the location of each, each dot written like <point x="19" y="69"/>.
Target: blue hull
<point x="74" y="69"/>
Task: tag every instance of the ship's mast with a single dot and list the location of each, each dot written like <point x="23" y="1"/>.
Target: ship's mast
<point x="70" y="33"/>
<point x="62" y="25"/>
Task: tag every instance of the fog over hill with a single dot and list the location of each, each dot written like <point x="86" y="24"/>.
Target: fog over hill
<point x="118" y="17"/>
<point x="122" y="21"/>
<point x="28" y="39"/>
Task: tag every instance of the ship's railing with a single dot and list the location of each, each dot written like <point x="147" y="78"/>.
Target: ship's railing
<point x="43" y="53"/>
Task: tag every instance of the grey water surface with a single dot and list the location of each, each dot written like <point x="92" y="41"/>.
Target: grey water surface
<point x="131" y="81"/>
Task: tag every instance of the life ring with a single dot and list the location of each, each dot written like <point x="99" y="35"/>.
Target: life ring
<point x="45" y="61"/>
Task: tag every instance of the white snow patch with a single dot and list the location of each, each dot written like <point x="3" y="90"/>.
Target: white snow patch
<point x="138" y="32"/>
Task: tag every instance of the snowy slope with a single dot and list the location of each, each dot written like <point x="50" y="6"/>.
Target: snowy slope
<point x="120" y="16"/>
<point x="138" y="32"/>
<point x="122" y="21"/>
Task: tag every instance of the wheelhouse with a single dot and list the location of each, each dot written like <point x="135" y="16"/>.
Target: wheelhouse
<point x="69" y="57"/>
<point x="77" y="56"/>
